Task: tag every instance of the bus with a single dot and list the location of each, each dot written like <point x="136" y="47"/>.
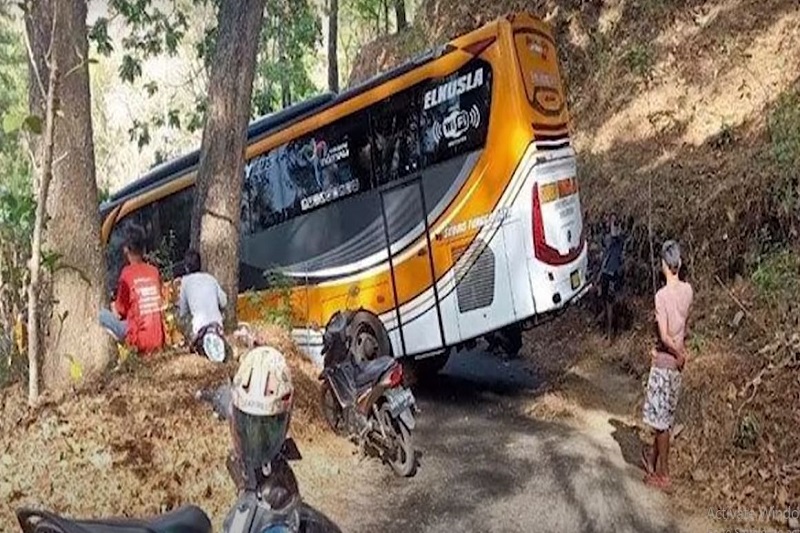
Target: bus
<point x="441" y="197"/>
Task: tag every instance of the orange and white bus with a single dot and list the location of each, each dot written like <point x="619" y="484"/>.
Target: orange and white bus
<point x="441" y="196"/>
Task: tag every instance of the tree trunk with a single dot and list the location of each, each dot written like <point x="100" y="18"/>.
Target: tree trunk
<point x="333" y="46"/>
<point x="34" y="287"/>
<point x="400" y="12"/>
<point x="217" y="210"/>
<point x="386" y="16"/>
<point x="76" y="289"/>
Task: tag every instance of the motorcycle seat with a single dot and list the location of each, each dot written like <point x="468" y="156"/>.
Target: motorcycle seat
<point x="371" y="371"/>
<point x="186" y="519"/>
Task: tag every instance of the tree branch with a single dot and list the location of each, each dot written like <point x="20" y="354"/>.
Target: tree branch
<point x="34" y="66"/>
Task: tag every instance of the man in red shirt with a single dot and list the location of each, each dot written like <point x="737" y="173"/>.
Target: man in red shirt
<point x="136" y="315"/>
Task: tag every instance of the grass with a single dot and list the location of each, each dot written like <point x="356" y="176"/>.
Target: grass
<point x="639" y="60"/>
<point x="784" y="130"/>
<point x="778" y="275"/>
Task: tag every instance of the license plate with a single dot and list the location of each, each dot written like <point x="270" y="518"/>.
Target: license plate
<point x="399" y="400"/>
<point x="575" y="279"/>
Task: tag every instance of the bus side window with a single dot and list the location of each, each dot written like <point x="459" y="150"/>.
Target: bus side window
<point x="330" y="163"/>
<point x="116" y="240"/>
<point x="395" y="128"/>
<point x="266" y="193"/>
<point x="172" y="233"/>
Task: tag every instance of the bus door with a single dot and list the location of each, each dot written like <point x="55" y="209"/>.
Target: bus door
<point x="405" y="220"/>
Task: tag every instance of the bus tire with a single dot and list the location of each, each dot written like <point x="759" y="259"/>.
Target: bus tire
<point x="368" y="337"/>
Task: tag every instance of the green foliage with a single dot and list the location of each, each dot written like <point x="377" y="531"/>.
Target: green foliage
<point x="698" y="343"/>
<point x="371" y="12"/>
<point x="784" y="129"/>
<point x="17" y="205"/>
<point x="163" y="256"/>
<point x="777" y="276"/>
<point x="747" y="433"/>
<point x="281" y="286"/>
<point x="640" y="60"/>
<point x="151" y="32"/>
<point x="291" y="33"/>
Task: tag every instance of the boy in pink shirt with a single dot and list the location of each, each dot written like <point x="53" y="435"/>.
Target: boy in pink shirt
<point x="672" y="302"/>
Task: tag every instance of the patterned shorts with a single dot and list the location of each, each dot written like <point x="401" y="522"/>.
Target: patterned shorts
<point x="663" y="389"/>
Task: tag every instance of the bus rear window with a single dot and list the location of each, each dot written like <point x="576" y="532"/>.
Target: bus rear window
<point x="538" y="64"/>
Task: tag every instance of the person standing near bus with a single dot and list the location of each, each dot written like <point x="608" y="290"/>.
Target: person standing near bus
<point x="673" y="302"/>
<point x="136" y="313"/>
<point x="611" y="272"/>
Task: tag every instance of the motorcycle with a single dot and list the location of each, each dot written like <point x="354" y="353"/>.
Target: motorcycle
<point x="366" y="400"/>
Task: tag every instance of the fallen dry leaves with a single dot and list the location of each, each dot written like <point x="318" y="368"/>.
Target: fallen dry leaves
<point x="139" y="443"/>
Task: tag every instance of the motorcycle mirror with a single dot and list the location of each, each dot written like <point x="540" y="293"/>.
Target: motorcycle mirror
<point x="290" y="450"/>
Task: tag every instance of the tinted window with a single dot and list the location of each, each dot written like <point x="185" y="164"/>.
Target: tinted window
<point x="314" y="170"/>
<point x="167" y="227"/>
<point x="455" y="113"/>
<point x="267" y="191"/>
<point x="395" y="128"/>
<point x="174" y="216"/>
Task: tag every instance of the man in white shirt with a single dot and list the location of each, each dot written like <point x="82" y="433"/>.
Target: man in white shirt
<point x="201" y="296"/>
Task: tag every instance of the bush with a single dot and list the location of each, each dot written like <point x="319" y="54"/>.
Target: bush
<point x="778" y="274"/>
<point x="279" y="313"/>
<point x="784" y="130"/>
<point x="17" y="210"/>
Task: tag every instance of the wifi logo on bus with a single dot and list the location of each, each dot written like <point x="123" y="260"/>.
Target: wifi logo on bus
<point x="457" y="123"/>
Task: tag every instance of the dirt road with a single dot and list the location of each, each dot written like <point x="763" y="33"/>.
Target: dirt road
<point x="488" y="468"/>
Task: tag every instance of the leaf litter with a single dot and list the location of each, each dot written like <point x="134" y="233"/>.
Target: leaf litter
<point x="139" y="443"/>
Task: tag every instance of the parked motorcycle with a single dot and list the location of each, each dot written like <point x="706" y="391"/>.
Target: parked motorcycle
<point x="366" y="400"/>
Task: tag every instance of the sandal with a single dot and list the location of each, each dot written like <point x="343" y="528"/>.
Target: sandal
<point x="659" y="482"/>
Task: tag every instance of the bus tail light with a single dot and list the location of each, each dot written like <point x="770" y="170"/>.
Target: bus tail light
<point x="544" y="194"/>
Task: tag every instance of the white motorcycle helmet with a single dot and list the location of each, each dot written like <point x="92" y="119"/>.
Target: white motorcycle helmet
<point x="261" y="408"/>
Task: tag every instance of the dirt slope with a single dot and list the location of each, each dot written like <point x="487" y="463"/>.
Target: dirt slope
<point x="690" y="111"/>
<point x="139" y="443"/>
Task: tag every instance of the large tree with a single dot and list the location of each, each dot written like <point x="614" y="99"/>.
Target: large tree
<point x="74" y="289"/>
<point x="216" y="215"/>
<point x="400" y="11"/>
<point x="333" y="52"/>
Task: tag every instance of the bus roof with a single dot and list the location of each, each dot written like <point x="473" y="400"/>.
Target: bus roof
<point x="258" y="128"/>
<point x="268" y="125"/>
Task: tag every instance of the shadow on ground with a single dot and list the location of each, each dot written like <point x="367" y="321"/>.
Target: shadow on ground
<point x="486" y="468"/>
<point x="627" y="436"/>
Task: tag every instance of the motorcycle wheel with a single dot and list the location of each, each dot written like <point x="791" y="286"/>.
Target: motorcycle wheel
<point x="404" y="463"/>
<point x="332" y="411"/>
<point x="368" y="337"/>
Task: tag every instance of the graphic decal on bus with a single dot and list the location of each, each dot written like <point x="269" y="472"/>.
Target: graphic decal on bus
<point x="453" y="88"/>
<point x="456" y="124"/>
<point x="455" y="113"/>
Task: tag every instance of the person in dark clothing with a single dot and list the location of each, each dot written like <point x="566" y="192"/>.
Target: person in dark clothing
<point x="611" y="270"/>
